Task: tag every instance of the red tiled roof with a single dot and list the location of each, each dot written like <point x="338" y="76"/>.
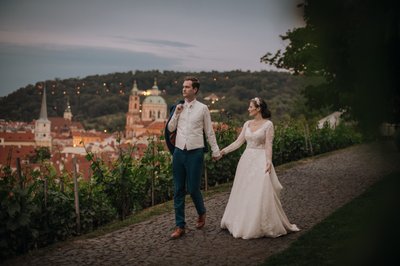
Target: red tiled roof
<point x="60" y="137"/>
<point x="83" y="165"/>
<point x="157" y="125"/>
<point x="57" y="123"/>
<point x="90" y="134"/>
<point x="16" y="152"/>
<point x="18" y="136"/>
<point x="144" y="123"/>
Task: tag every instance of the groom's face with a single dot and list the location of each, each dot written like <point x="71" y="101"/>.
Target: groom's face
<point x="188" y="91"/>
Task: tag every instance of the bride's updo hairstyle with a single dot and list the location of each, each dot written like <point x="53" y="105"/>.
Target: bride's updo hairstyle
<point x="258" y="102"/>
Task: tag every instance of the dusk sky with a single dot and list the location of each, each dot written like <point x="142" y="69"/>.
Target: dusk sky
<point x="48" y="39"/>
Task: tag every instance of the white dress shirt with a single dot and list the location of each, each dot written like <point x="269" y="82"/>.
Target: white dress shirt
<point x="190" y="123"/>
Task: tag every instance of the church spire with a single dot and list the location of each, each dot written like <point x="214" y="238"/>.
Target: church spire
<point x="43" y="109"/>
<point x="155" y="84"/>
<point x="68" y="105"/>
<point x="154" y="89"/>
<point x="135" y="89"/>
<point x="43" y="125"/>
<point x="68" y="112"/>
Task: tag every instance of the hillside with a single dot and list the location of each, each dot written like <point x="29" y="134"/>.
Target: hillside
<point x="101" y="101"/>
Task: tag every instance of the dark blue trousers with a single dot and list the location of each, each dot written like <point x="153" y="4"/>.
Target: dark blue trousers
<point x="187" y="169"/>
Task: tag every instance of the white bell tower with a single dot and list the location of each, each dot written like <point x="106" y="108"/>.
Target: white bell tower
<point x="43" y="125"/>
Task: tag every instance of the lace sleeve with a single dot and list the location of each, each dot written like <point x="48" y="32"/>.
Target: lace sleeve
<point x="269" y="138"/>
<point x="238" y="142"/>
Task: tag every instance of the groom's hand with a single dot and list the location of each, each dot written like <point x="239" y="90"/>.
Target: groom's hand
<point x="179" y="108"/>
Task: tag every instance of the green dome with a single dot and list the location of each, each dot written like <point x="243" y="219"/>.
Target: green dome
<point x="152" y="99"/>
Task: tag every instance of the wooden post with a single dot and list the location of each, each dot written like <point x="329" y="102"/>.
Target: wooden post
<point x="309" y="140"/>
<point x="205" y="176"/>
<point x="45" y="192"/>
<point x="153" y="174"/>
<point x="76" y="193"/>
<point x="19" y="172"/>
<point x="61" y="168"/>
<point x="305" y="137"/>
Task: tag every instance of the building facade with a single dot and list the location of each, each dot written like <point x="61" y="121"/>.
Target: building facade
<point x="147" y="118"/>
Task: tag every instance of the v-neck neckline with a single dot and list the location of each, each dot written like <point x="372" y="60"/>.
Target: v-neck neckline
<point x="257" y="128"/>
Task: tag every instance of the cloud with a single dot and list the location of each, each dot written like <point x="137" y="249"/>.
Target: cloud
<point x="167" y="43"/>
<point x="38" y="41"/>
<point x="157" y="42"/>
<point x="22" y="65"/>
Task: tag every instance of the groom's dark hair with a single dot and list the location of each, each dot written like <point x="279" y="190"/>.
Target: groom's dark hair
<point x="195" y="82"/>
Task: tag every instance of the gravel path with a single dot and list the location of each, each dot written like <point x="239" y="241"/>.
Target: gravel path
<point x="313" y="189"/>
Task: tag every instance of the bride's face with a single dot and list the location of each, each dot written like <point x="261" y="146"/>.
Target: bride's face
<point x="253" y="110"/>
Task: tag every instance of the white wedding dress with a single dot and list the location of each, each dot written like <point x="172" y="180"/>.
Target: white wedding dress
<point x="254" y="209"/>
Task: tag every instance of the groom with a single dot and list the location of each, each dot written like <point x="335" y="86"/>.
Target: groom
<point x="190" y="120"/>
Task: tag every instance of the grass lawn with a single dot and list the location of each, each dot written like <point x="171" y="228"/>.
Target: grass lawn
<point x="363" y="232"/>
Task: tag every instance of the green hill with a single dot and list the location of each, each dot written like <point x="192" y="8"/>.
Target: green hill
<point x="101" y="101"/>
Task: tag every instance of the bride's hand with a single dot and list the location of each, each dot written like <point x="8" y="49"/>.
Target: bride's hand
<point x="268" y="167"/>
<point x="222" y="153"/>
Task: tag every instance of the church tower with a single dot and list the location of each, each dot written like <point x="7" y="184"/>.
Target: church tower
<point x="68" y="112"/>
<point x="43" y="124"/>
<point x="133" y="115"/>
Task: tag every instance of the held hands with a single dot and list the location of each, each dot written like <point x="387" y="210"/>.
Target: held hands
<point x="216" y="158"/>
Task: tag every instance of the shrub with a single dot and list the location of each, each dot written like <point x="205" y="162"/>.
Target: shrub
<point x="32" y="216"/>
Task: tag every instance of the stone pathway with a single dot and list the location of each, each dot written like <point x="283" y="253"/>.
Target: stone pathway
<point x="313" y="189"/>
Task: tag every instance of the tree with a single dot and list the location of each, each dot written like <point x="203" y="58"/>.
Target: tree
<point x="41" y="154"/>
<point x="354" y="46"/>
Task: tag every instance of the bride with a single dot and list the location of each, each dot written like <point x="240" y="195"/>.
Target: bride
<point x="254" y="209"/>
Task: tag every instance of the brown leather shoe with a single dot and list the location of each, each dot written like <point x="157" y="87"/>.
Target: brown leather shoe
<point x="201" y="221"/>
<point x="178" y="232"/>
